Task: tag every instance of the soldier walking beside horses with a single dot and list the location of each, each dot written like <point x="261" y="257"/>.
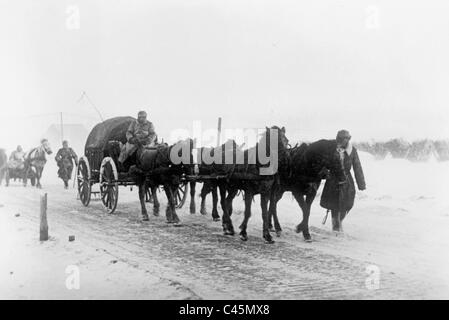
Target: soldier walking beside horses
<point x="65" y="158"/>
<point x="338" y="196"/>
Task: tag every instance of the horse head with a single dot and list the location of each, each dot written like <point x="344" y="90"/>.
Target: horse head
<point x="45" y="145"/>
<point x="322" y="155"/>
<point x="282" y="140"/>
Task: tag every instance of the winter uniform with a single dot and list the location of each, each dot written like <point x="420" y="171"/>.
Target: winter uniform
<point x="330" y="196"/>
<point x="138" y="134"/>
<point x="65" y="158"/>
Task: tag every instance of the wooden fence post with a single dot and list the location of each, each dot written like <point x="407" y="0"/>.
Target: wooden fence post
<point x="43" y="236"/>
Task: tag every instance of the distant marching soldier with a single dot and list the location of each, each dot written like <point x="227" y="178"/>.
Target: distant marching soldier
<point x="65" y="159"/>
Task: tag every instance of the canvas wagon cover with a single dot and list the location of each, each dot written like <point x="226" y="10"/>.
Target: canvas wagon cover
<point x="110" y="129"/>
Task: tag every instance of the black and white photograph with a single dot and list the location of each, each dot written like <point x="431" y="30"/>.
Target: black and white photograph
<point x="240" y="150"/>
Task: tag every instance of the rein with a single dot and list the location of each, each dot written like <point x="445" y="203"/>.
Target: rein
<point x="325" y="217"/>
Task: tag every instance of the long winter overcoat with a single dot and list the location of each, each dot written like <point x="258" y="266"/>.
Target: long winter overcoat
<point x="330" y="195"/>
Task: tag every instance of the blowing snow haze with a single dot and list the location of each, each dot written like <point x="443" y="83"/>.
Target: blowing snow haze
<point x="376" y="68"/>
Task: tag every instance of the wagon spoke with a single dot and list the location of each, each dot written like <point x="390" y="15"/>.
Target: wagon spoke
<point x="108" y="202"/>
<point x="107" y="198"/>
<point x="112" y="197"/>
<point x="103" y="195"/>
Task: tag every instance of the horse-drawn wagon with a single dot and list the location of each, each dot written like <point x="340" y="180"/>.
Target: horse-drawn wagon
<point x="99" y="165"/>
<point x="17" y="173"/>
<point x="301" y="171"/>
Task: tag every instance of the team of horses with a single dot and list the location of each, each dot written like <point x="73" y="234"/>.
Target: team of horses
<point x="300" y="171"/>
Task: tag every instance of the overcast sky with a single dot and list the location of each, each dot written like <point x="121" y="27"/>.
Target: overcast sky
<point x="377" y="68"/>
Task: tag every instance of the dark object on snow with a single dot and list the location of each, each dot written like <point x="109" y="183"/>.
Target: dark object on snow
<point x="71" y="238"/>
<point x="43" y="230"/>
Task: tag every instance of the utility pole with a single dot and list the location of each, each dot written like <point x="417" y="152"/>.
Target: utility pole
<point x="62" y="127"/>
<point x="219" y="132"/>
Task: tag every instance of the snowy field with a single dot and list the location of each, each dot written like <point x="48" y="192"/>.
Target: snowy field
<point x="399" y="227"/>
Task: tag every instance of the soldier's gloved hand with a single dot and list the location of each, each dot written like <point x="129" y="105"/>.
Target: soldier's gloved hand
<point x="362" y="188"/>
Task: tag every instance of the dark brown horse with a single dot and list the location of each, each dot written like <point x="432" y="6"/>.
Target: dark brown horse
<point x="162" y="166"/>
<point x="227" y="149"/>
<point x="35" y="160"/>
<point x="307" y="166"/>
<point x="248" y="178"/>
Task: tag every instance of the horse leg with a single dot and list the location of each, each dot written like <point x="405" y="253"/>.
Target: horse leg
<point x="192" y="197"/>
<point x="170" y="191"/>
<point x="272" y="206"/>
<point x="203" y="194"/>
<point x="229" y="205"/>
<point x="7" y="178"/>
<point x="305" y="207"/>
<point x="228" y="228"/>
<point x="142" y="192"/>
<point x="248" y="201"/>
<point x="272" y="213"/>
<point x="25" y="175"/>
<point x="170" y="200"/>
<point x="264" y="197"/>
<point x="175" y="217"/>
<point x="156" y="203"/>
<point x="38" y="178"/>
<point x="215" y="215"/>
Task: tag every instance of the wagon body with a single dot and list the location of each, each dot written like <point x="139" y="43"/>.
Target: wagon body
<point x="96" y="148"/>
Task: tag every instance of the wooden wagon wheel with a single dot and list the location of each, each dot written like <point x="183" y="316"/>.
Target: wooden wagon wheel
<point x="181" y="195"/>
<point x="109" y="184"/>
<point x="83" y="179"/>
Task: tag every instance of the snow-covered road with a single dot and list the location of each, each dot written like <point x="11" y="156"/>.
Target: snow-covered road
<point x="120" y="257"/>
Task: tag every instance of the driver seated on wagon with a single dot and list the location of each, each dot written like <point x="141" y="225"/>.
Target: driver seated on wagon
<point x="16" y="160"/>
<point x="140" y="133"/>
